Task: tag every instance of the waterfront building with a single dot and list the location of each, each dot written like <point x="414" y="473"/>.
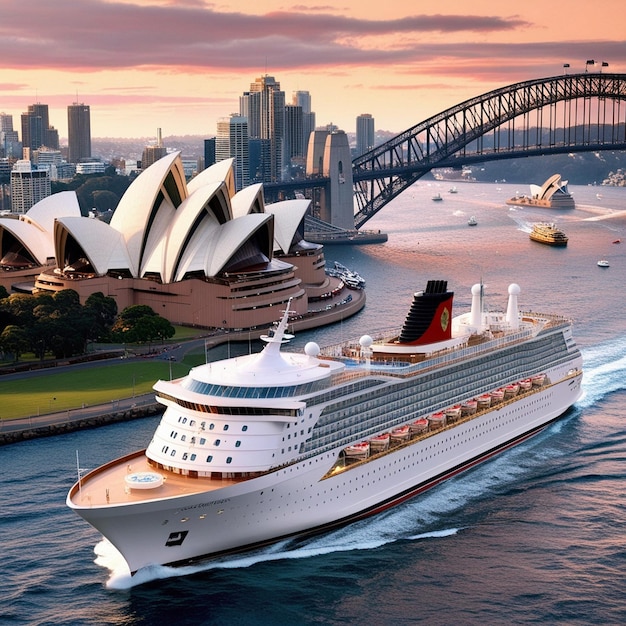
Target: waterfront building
<point x="365" y="134"/>
<point x="78" y="132"/>
<point x="199" y="252"/>
<point x="29" y="185"/>
<point x="90" y="167"/>
<point x="231" y="142"/>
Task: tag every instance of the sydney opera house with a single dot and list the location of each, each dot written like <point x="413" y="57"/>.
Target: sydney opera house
<point x="197" y="252"/>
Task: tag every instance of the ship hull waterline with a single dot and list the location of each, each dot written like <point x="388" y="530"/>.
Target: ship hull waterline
<point x="302" y="499"/>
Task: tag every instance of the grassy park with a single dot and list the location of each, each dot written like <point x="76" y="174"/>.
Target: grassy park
<point x="51" y="391"/>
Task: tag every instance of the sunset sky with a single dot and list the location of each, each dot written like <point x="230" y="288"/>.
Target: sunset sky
<point x="182" y="64"/>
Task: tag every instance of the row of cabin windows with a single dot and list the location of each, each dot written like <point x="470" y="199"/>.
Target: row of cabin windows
<point x="192" y="423"/>
<point x="201" y="441"/>
<point x="192" y="457"/>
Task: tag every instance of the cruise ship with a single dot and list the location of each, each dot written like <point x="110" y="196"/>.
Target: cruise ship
<point x="278" y="444"/>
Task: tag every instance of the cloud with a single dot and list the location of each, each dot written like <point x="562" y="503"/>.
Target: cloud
<point x="95" y="34"/>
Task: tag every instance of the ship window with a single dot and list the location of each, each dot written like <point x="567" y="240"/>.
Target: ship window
<point x="164" y="449"/>
<point x="202" y="441"/>
<point x="244" y="428"/>
<point x="209" y="458"/>
<point x="184" y="420"/>
<point x="217" y="442"/>
<point x="225" y="426"/>
<point x="185" y="456"/>
<point x="193" y="441"/>
<point x="173" y="434"/>
<point x="192" y="423"/>
<point x="193" y="457"/>
<point x="229" y="459"/>
<point x="173" y="453"/>
<point x="237" y="444"/>
<point x="211" y="426"/>
<point x="183" y="437"/>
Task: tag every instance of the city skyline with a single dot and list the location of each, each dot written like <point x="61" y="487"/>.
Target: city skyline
<point x="147" y="64"/>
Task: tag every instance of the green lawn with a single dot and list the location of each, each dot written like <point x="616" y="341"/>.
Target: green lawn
<point x="57" y="391"/>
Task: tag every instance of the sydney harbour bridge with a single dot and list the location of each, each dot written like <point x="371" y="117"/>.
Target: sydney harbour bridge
<point x="563" y="114"/>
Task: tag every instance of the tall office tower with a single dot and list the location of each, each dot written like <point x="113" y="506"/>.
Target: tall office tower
<point x="151" y="154"/>
<point x="36" y="129"/>
<point x="78" y="132"/>
<point x="231" y="142"/>
<point x="10" y="146"/>
<point x="28" y="186"/>
<point x="264" y="106"/>
<point x="303" y="99"/>
<point x="364" y="133"/>
<point x="294" y="138"/>
<point x="209" y="152"/>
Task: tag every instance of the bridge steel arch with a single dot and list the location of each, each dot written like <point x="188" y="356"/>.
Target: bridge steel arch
<point x="569" y="113"/>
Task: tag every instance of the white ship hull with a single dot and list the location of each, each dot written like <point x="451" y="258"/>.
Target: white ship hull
<point x="301" y="498"/>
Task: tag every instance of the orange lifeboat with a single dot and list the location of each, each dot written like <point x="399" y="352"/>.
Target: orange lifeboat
<point x="379" y="443"/>
<point x="437" y="420"/>
<point x="418" y="426"/>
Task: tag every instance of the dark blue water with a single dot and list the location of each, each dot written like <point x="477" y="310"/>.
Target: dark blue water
<point x="538" y="535"/>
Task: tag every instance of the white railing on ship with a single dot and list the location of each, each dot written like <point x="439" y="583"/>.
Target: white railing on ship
<point x="448" y="355"/>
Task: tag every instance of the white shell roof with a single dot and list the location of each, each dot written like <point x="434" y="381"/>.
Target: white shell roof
<point x="222" y="171"/>
<point x="39" y="243"/>
<point x="288" y="215"/>
<point x="248" y="200"/>
<point x="43" y="214"/>
<point x="135" y="210"/>
<point x="103" y="246"/>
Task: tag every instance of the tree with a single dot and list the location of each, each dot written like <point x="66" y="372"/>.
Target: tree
<point x="101" y="311"/>
<point x="14" y="340"/>
<point x="140" y="324"/>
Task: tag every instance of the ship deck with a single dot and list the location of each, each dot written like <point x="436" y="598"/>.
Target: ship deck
<point x="107" y="484"/>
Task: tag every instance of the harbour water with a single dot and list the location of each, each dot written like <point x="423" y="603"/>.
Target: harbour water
<point x="534" y="536"/>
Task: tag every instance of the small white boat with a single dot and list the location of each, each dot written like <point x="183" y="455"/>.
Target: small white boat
<point x="453" y="190"/>
<point x="603" y="263"/>
<point x="437" y="197"/>
<point x="472" y="221"/>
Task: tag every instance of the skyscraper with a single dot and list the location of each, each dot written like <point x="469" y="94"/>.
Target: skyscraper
<point x="36" y="129"/>
<point x="231" y="141"/>
<point x="151" y="154"/>
<point x="364" y="133"/>
<point x="28" y="186"/>
<point x="264" y="106"/>
<point x="78" y="132"/>
<point x="10" y="146"/>
<point x="303" y="99"/>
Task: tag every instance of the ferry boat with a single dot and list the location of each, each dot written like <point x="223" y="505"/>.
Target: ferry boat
<point x="268" y="446"/>
<point x="545" y="232"/>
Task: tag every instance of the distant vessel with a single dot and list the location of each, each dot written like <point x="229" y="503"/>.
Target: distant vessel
<point x="437" y="197"/>
<point x="472" y="221"/>
<point x="603" y="263"/>
<point x="545" y="232"/>
<point x="349" y="277"/>
<point x="553" y="194"/>
<point x="453" y="190"/>
<point x="262" y="447"/>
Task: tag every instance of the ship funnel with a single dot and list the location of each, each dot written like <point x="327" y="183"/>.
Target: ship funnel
<point x="512" y="312"/>
<point x="476" y="314"/>
<point x="429" y="319"/>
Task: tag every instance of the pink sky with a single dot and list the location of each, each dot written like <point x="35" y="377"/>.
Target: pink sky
<point x="182" y="64"/>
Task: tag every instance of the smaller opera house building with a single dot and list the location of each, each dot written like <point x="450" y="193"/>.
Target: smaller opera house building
<point x="198" y="253"/>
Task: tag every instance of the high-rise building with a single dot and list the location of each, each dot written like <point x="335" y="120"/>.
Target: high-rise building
<point x="36" y="129"/>
<point x="294" y="137"/>
<point x="231" y="142"/>
<point x="303" y="99"/>
<point x="209" y="152"/>
<point x="264" y="106"/>
<point x="151" y="154"/>
<point x="10" y="146"/>
<point x="28" y="186"/>
<point x="364" y="133"/>
<point x="78" y="132"/>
